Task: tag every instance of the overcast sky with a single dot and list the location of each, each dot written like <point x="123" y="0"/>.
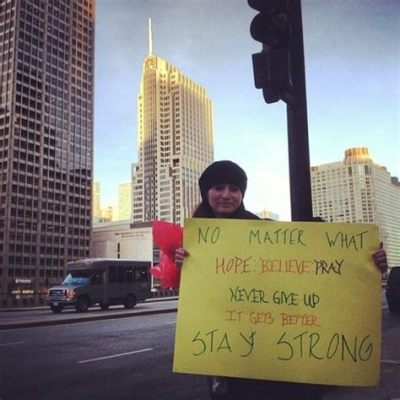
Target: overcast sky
<point x="352" y="56"/>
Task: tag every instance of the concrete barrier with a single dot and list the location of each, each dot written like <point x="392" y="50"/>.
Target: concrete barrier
<point x="39" y="299"/>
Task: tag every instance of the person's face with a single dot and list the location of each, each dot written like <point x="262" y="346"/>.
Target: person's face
<point x="224" y="199"/>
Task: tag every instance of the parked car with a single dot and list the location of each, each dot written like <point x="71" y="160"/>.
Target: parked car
<point x="393" y="289"/>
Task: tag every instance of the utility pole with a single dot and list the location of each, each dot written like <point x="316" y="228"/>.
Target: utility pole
<point x="280" y="72"/>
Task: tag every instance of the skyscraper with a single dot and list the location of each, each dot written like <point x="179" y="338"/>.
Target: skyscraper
<point x="46" y="132"/>
<point x="175" y="142"/>
<point x="96" y="204"/>
<point x="359" y="190"/>
<point x="125" y="201"/>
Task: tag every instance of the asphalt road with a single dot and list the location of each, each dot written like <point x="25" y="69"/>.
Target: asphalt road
<point x="128" y="358"/>
<point x="114" y="359"/>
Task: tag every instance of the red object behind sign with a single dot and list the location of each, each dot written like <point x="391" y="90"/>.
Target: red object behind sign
<point x="168" y="237"/>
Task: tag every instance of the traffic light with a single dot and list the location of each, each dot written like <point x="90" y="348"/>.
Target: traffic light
<point x="279" y="70"/>
<point x="271" y="66"/>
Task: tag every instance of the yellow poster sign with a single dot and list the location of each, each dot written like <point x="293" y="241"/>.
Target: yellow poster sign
<point x="286" y="301"/>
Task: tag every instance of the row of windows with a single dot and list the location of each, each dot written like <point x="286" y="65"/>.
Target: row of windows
<point x="25" y="272"/>
<point x="56" y="263"/>
<point x="128" y="274"/>
<point x="55" y="220"/>
<point x="50" y="239"/>
<point x="29" y="113"/>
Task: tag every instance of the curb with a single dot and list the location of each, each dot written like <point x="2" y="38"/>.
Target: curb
<point x="34" y="324"/>
<point x="84" y="318"/>
<point x="35" y="308"/>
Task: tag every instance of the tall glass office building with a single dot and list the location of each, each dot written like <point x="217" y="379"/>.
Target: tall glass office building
<point x="46" y="138"/>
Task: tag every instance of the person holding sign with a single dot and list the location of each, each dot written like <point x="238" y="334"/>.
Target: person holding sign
<point x="222" y="186"/>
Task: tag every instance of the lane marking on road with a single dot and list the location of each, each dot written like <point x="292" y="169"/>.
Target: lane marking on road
<point x="395" y="362"/>
<point x="114" y="356"/>
<point x="10" y="344"/>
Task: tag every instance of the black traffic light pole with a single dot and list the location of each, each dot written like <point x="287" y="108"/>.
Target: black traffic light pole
<point x="279" y="72"/>
<point x="298" y="146"/>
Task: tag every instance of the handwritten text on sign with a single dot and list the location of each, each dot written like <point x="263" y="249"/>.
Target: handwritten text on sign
<point x="282" y="301"/>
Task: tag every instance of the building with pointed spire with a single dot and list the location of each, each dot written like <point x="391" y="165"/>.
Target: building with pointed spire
<point x="175" y="142"/>
<point x="359" y="190"/>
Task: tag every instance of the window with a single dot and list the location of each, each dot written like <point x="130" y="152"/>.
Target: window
<point x="112" y="278"/>
<point x="141" y="274"/>
<point x="121" y="274"/>
<point x="97" y="278"/>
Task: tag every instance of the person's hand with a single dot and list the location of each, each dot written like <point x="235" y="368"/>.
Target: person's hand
<point x="180" y="254"/>
<point x="380" y="259"/>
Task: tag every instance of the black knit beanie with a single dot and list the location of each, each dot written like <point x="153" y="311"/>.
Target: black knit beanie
<point x="221" y="172"/>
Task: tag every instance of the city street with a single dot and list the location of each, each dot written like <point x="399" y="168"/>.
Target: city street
<point x="265" y="145"/>
<point x="125" y="358"/>
<point x="130" y="358"/>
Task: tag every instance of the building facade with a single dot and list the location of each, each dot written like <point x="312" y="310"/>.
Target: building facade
<point x="175" y="142"/>
<point x="359" y="190"/>
<point x="125" y="201"/>
<point x="96" y="204"/>
<point x="122" y="240"/>
<point x="46" y="137"/>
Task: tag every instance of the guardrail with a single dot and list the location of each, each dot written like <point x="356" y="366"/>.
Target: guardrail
<point x="165" y="293"/>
